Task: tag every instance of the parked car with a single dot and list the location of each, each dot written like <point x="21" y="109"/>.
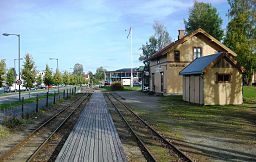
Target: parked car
<point x="136" y="83"/>
<point x="42" y="86"/>
<point x="106" y="83"/>
<point x="1" y="90"/>
<point x="21" y="88"/>
<point x="12" y="89"/>
<point x="6" y="89"/>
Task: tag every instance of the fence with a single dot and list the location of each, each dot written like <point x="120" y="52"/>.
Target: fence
<point x="42" y="101"/>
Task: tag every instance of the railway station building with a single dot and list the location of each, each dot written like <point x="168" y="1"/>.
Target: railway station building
<point x="213" y="80"/>
<point x="165" y="65"/>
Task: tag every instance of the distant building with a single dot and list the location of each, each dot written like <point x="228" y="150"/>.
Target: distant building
<point x="124" y="76"/>
<point x="213" y="80"/>
<point x="87" y="76"/>
<point x="42" y="73"/>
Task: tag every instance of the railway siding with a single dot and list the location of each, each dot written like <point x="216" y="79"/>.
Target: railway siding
<point x="154" y="146"/>
<point x="27" y="147"/>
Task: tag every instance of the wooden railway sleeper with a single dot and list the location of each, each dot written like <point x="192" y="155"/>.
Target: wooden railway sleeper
<point x="171" y="146"/>
<point x="31" y="158"/>
<point x="142" y="146"/>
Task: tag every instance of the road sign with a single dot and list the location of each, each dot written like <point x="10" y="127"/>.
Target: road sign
<point x="18" y="82"/>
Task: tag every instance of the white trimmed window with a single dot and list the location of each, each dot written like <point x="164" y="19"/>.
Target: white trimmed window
<point x="197" y="52"/>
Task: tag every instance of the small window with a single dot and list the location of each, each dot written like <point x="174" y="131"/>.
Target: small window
<point x="223" y="77"/>
<point x="197" y="51"/>
<point x="177" y="56"/>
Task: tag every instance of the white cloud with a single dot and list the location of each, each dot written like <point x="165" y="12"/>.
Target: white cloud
<point x="160" y="8"/>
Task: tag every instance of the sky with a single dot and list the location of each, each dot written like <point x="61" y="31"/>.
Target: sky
<point x="89" y="32"/>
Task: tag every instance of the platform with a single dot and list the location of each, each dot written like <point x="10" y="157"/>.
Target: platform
<point x="94" y="137"/>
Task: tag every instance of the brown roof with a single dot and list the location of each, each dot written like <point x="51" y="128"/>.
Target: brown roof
<point x="185" y="38"/>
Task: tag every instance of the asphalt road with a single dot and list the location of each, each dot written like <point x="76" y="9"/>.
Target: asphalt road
<point x="15" y="97"/>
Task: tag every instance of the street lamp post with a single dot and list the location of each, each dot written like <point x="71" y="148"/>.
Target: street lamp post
<point x="18" y="35"/>
<point x="56" y="69"/>
<point x="57" y="62"/>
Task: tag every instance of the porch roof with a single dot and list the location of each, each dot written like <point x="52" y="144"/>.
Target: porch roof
<point x="199" y="64"/>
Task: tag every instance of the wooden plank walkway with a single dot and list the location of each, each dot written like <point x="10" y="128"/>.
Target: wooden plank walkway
<point x="94" y="137"/>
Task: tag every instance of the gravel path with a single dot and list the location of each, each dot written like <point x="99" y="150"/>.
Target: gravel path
<point x="202" y="146"/>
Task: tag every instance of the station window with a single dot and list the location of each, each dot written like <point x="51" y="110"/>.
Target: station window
<point x="223" y="77"/>
<point x="197" y="51"/>
<point x="177" y="56"/>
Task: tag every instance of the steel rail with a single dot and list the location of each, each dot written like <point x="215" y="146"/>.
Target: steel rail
<point x="31" y="158"/>
<point x="144" y="149"/>
<point x="162" y="138"/>
<point x="24" y="141"/>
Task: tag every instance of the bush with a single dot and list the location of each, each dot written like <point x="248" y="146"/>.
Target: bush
<point x="116" y="86"/>
<point x="15" y="122"/>
<point x="12" y="122"/>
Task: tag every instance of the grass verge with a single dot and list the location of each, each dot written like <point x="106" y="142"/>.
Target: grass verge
<point x="4" y="132"/>
<point x="222" y="121"/>
<point x="249" y="93"/>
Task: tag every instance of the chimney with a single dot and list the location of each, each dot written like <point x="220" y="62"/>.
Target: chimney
<point x="181" y="34"/>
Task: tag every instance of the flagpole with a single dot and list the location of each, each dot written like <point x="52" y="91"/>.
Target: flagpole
<point x="131" y="62"/>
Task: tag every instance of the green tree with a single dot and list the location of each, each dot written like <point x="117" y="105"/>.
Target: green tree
<point x="159" y="40"/>
<point x="2" y="71"/>
<point x="205" y="16"/>
<point x="28" y="72"/>
<point x="78" y="69"/>
<point x="72" y="79"/>
<point x="48" y="79"/>
<point x="148" y="49"/>
<point x="39" y="80"/>
<point x="79" y="79"/>
<point x="57" y="78"/>
<point x="66" y="78"/>
<point x="241" y="34"/>
<point x="161" y="35"/>
<point x="100" y="73"/>
<point x="92" y="78"/>
<point x="10" y="77"/>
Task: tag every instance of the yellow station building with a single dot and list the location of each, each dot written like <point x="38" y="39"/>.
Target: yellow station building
<point x="166" y="64"/>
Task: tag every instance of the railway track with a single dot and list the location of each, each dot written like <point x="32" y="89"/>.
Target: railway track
<point x="143" y="133"/>
<point x="28" y="148"/>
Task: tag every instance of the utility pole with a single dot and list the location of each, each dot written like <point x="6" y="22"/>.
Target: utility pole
<point x="131" y="61"/>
